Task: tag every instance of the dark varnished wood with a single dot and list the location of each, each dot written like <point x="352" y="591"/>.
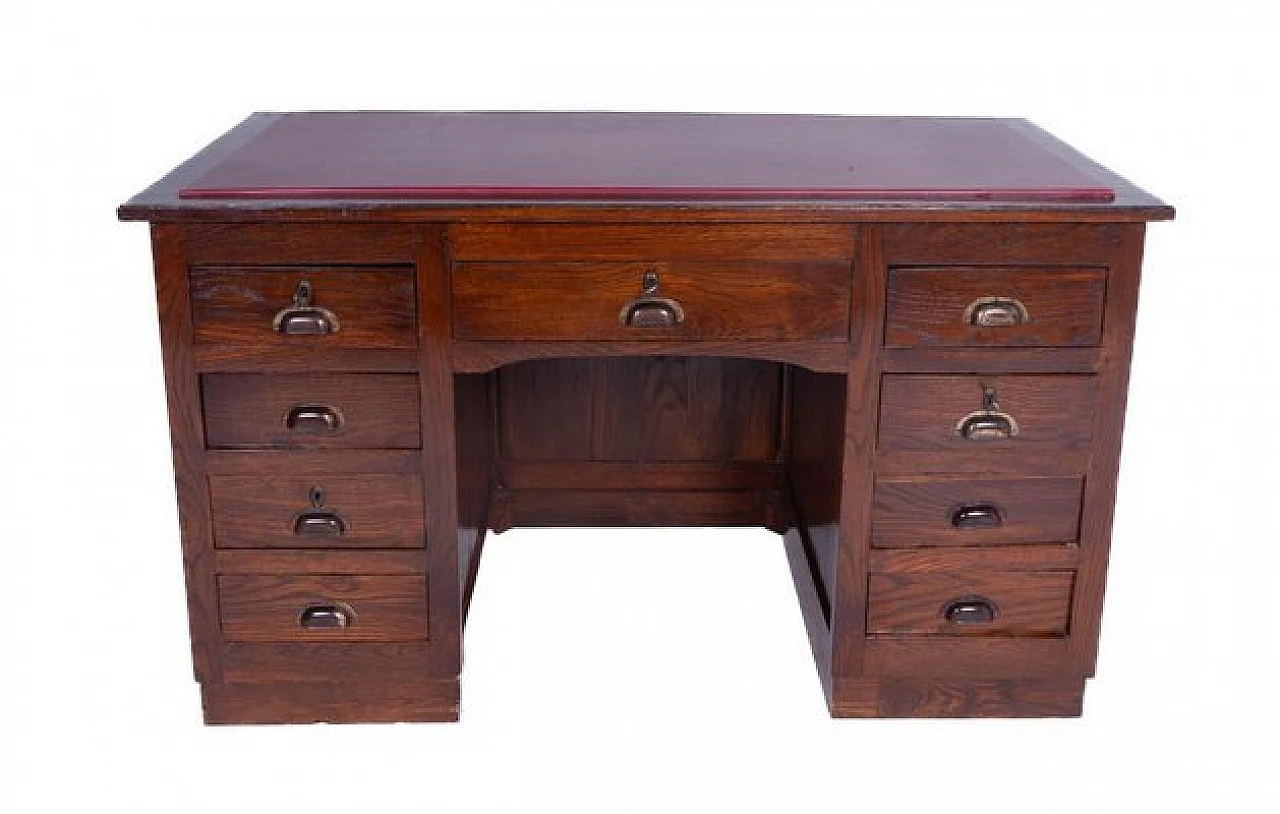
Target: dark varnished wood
<point x="921" y="412"/>
<point x="745" y="300"/>
<point x="376" y="511"/>
<point x="348" y="703"/>
<point x="826" y="413"/>
<point x="933" y="698"/>
<point x="369" y="663"/>
<point x="372" y="307"/>
<point x="920" y="511"/>
<point x="1031" y="603"/>
<point x="819" y="356"/>
<point x="250" y="410"/>
<point x="928" y="307"/>
<point x="265" y="607"/>
<point x="319" y="561"/>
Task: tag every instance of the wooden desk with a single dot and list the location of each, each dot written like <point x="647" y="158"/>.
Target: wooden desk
<point x="902" y="344"/>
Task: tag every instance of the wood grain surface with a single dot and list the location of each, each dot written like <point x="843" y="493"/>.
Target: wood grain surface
<point x="376" y="511"/>
<point x="249" y="410"/>
<point x="266" y="607"/>
<point x="928" y="306"/>
<point x="373" y="307"/>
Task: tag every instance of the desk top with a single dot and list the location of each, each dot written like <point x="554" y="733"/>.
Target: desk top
<point x="390" y="160"/>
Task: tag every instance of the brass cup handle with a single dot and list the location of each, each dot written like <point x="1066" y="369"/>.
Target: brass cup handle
<point x="319" y="524"/>
<point x="977" y="516"/>
<point x="313" y="419"/>
<point x="334" y="616"/>
<point x="987" y="425"/>
<point x="308" y="321"/>
<point x="652" y="312"/>
<point x="303" y="318"/>
<point x="970" y="611"/>
<point x="996" y="312"/>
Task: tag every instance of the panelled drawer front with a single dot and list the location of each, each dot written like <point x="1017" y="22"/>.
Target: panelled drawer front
<point x="991" y="413"/>
<point x="320" y="511"/>
<point x="963" y="511"/>
<point x="1021" y="603"/>
<point x="996" y="306"/>
<point x="306" y="307"/>
<point x="618" y="301"/>
<point x="326" y="410"/>
<point x="281" y="608"/>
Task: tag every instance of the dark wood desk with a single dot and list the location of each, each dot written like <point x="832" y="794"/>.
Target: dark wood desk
<point x="902" y="344"/>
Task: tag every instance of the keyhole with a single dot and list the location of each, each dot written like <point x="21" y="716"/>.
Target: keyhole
<point x="989" y="399"/>
<point x="316" y="495"/>
<point x="649" y="282"/>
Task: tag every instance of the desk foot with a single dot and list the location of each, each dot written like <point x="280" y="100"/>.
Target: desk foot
<point x="298" y="703"/>
<point x="943" y="698"/>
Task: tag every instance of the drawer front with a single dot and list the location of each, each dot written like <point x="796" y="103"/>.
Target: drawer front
<point x="319" y="511"/>
<point x="636" y="301"/>
<point x="281" y="608"/>
<point x="993" y="413"/>
<point x="994" y="307"/>
<point x="311" y="411"/>
<point x="1036" y="603"/>
<point x="304" y="307"/>
<point x="962" y="511"/>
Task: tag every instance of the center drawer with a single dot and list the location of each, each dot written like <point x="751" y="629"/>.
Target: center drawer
<point x="748" y="282"/>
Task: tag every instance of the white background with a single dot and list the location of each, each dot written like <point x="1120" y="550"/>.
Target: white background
<point x="632" y="670"/>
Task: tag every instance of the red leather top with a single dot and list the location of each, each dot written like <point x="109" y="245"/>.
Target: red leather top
<point x="657" y="156"/>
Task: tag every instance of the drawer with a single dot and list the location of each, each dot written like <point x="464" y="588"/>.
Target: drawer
<point x="319" y="511"/>
<point x="1013" y="603"/>
<point x="961" y="511"/>
<point x="329" y="607"/>
<point x="992" y="413"/>
<point x="311" y="411"/>
<point x="304" y="306"/>
<point x="994" y="307"/>
<point x="636" y="301"/>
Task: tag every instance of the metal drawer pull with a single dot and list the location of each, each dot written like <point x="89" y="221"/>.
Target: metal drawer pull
<point x="996" y="312"/>
<point x="989" y="423"/>
<point x="977" y="516"/>
<point x="970" y="611"/>
<point x="319" y="524"/>
<point x="327" y="617"/>
<point x="313" y="419"/>
<point x="649" y="310"/>
<point x="304" y="319"/>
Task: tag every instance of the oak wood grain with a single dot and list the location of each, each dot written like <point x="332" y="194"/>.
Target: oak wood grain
<point x="249" y="410"/>
<point x="747" y="300"/>
<point x="375" y="511"/>
<point x="920" y="511"/>
<point x="1035" y="603"/>
<point x="237" y="305"/>
<point x="266" y="607"/>
<point x="929" y="307"/>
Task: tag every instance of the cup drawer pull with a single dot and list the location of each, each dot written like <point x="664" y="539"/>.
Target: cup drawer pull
<point x="977" y="516"/>
<point x="970" y="611"/>
<point x="996" y="312"/>
<point x="302" y="318"/>
<point x="989" y="423"/>
<point x="650" y="310"/>
<point x="319" y="524"/>
<point x="333" y="616"/>
<point x="313" y="419"/>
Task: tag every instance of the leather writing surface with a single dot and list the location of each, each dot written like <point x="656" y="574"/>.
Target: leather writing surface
<point x="566" y="156"/>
